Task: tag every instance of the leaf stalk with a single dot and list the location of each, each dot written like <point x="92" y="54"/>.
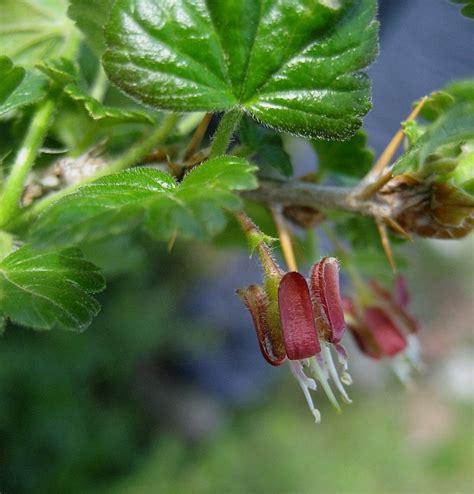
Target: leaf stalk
<point x="25" y="158"/>
<point x="224" y="132"/>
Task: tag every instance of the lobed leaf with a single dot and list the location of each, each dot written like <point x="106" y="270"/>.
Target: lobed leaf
<point x="32" y="30"/>
<point x="118" y="202"/>
<point x="90" y="17"/>
<point x="442" y="139"/>
<point x="31" y="90"/>
<point x="64" y="73"/>
<point x="295" y="66"/>
<point x="49" y="290"/>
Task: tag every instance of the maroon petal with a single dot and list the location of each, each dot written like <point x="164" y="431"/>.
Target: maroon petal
<point x="363" y="337"/>
<point x="326" y="296"/>
<point x="296" y="316"/>
<point x="400" y="292"/>
<point x="387" y="335"/>
<point x="396" y="303"/>
<point x="270" y="339"/>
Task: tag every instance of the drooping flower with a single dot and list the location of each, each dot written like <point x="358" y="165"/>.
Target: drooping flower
<point x="297" y="322"/>
<point x="383" y="328"/>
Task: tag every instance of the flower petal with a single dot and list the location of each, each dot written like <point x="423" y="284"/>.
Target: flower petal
<point x="324" y="282"/>
<point x="296" y="316"/>
<point x="388" y="336"/>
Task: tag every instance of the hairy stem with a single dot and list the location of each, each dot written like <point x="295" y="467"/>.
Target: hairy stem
<point x="224" y="132"/>
<point x="297" y="193"/>
<point x="131" y="157"/>
<point x="24" y="161"/>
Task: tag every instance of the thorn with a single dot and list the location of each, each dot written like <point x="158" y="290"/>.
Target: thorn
<point x="374" y="187"/>
<point x="285" y="240"/>
<point x="386" y="244"/>
<point x="398" y="228"/>
<point x="172" y="241"/>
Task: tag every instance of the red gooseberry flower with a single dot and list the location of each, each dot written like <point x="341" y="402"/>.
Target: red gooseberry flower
<point x="382" y="327"/>
<point x="298" y="323"/>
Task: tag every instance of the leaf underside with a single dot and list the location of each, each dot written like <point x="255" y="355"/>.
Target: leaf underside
<point x="294" y="66"/>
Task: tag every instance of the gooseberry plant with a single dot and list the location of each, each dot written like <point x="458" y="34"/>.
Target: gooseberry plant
<point x="107" y="109"/>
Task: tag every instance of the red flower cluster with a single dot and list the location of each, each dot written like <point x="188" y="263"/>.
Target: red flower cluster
<point x="298" y="322"/>
<point x="381" y="328"/>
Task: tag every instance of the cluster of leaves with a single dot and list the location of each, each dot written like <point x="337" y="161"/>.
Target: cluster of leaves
<point x="183" y="56"/>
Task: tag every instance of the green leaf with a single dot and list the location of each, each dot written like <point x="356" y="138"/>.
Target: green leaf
<point x="453" y="128"/>
<point x="266" y="146"/>
<point x="64" y="73"/>
<point x="461" y="90"/>
<point x="90" y="17"/>
<point x="31" y="90"/>
<point x="49" y="290"/>
<point x="11" y="78"/>
<point x="439" y="102"/>
<point x="468" y="9"/>
<point x="32" y="30"/>
<point x="294" y="66"/>
<point x="352" y="158"/>
<point x="436" y="104"/>
<point x="118" y="202"/>
<point x="3" y="324"/>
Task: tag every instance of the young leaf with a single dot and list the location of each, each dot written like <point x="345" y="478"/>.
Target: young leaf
<point x="32" y="89"/>
<point x="454" y="127"/>
<point x="49" y="290"/>
<point x="352" y="158"/>
<point x="90" y="17"/>
<point x="64" y="73"/>
<point x="11" y="77"/>
<point x="266" y="145"/>
<point x="31" y="30"/>
<point x="117" y="202"/>
<point x="294" y="66"/>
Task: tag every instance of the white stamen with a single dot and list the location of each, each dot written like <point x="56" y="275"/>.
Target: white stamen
<point x="333" y="372"/>
<point x="322" y="376"/>
<point x="413" y="352"/>
<point x="305" y="383"/>
<point x="346" y="378"/>
<point x="402" y="368"/>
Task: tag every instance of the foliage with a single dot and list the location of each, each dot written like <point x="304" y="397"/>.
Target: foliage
<point x="308" y="84"/>
<point x="127" y="164"/>
<point x="49" y="290"/>
<point x="468" y="7"/>
<point x="125" y="124"/>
